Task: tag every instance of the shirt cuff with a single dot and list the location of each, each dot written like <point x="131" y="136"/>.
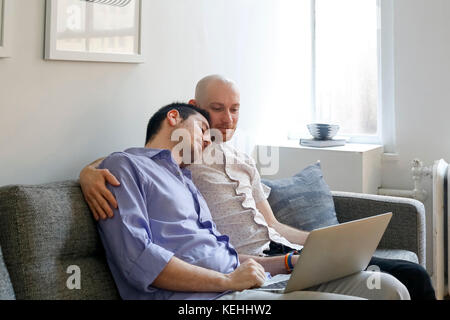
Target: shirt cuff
<point x="148" y="266"/>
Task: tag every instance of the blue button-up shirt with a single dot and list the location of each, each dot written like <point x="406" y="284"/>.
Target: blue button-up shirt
<point x="160" y="214"/>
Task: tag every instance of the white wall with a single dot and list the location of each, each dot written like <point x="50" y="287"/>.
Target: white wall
<point x="422" y="95"/>
<point x="57" y="116"/>
<point x="422" y="92"/>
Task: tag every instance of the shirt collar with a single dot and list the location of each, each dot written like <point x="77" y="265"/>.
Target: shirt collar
<point x="158" y="154"/>
<point x="151" y="153"/>
<point x="187" y="172"/>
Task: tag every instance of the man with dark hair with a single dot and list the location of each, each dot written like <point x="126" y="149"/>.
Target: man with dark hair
<point x="184" y="110"/>
<point x="152" y="243"/>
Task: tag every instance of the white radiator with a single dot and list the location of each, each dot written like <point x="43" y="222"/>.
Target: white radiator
<point x="440" y="173"/>
<point x="441" y="227"/>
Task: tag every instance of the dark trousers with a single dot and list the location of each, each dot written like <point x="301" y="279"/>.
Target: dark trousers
<point x="413" y="276"/>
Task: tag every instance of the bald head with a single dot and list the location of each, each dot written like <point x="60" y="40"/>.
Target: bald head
<point x="210" y="83"/>
<point x="221" y="98"/>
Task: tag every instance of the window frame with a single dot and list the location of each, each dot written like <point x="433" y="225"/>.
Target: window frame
<point x="5" y="32"/>
<point x="385" y="107"/>
<point x="52" y="53"/>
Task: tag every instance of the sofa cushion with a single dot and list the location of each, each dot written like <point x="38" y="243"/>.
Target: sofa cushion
<point x="6" y="289"/>
<point x="45" y="230"/>
<point x="303" y="201"/>
<point x="396" y="255"/>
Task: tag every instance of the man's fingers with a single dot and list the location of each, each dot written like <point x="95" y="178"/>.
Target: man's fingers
<point x="261" y="271"/>
<point x="105" y="206"/>
<point x="257" y="271"/>
<point x="261" y="276"/>
<point x="94" y="212"/>
<point x="99" y="210"/>
<point x="110" y="178"/>
<point x="109" y="196"/>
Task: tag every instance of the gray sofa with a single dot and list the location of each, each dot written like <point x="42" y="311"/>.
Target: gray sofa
<point x="45" y="229"/>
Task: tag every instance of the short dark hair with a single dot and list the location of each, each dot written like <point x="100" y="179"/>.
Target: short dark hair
<point x="185" y="110"/>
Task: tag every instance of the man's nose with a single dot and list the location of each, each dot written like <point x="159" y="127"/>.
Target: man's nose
<point x="206" y="143"/>
<point x="206" y="139"/>
<point x="228" y="117"/>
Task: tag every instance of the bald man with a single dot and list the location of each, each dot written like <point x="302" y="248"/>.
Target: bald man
<point x="231" y="186"/>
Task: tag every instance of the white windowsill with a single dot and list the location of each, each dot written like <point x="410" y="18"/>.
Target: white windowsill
<point x="349" y="147"/>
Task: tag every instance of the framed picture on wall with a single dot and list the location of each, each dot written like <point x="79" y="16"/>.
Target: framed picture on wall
<point x="94" y="30"/>
<point x="5" y="16"/>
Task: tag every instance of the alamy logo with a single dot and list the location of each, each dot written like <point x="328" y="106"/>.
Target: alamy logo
<point x="74" y="280"/>
<point x="374" y="281"/>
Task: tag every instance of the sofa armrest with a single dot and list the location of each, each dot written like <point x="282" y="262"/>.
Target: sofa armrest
<point x="6" y="288"/>
<point x="406" y="229"/>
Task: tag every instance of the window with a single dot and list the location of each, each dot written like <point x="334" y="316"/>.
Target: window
<point x="346" y="65"/>
<point x="330" y="65"/>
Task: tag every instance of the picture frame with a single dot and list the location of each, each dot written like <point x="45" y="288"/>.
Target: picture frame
<point x="90" y="30"/>
<point x="5" y="26"/>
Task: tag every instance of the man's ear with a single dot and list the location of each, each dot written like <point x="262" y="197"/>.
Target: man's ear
<point x="193" y="102"/>
<point x="173" y="117"/>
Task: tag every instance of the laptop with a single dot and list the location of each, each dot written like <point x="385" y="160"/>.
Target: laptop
<point x="334" y="252"/>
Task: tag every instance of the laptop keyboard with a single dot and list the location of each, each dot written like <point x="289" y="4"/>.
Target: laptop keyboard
<point x="281" y="285"/>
